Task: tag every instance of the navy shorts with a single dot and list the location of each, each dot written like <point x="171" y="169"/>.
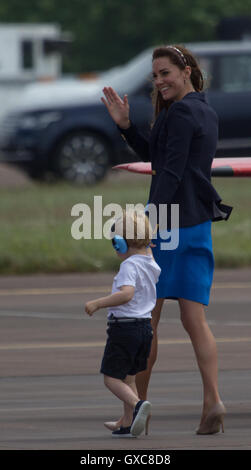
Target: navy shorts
<point x="127" y="348"/>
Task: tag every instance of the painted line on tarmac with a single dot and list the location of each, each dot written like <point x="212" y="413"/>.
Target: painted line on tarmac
<point x="84" y="317"/>
<point x="96" y="344"/>
<point x="51" y="408"/>
<point x="103" y="289"/>
<point x="55" y="291"/>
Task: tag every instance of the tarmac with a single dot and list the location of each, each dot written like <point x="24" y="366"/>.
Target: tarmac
<point x="53" y="396"/>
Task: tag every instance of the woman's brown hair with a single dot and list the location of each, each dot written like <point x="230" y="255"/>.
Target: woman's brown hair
<point x="181" y="57"/>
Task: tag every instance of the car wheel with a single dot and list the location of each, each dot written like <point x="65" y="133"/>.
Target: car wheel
<point x="83" y="157"/>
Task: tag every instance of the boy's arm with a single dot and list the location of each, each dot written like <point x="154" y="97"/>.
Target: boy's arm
<point x="123" y="296"/>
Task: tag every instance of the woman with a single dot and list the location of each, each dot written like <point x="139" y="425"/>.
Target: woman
<point x="181" y="148"/>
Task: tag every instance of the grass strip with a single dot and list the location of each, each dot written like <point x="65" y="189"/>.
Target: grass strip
<point x="36" y="221"/>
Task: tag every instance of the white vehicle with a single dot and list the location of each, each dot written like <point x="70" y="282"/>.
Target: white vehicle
<point x="28" y="53"/>
<point x="63" y="128"/>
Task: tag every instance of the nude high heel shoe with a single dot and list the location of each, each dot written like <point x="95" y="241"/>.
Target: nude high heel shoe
<point x="213" y="422"/>
<point x="112" y="425"/>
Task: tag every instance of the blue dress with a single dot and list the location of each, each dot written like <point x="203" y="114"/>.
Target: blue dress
<point x="186" y="271"/>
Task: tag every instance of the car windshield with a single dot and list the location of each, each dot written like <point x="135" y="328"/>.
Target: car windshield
<point x="131" y="76"/>
<point x="128" y="77"/>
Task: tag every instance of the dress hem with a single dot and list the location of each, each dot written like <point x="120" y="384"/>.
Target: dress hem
<point x="198" y="293"/>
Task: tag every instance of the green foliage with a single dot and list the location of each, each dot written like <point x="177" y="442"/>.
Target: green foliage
<point x="110" y="32"/>
<point x="36" y="221"/>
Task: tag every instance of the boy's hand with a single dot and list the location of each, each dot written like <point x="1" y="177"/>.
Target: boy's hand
<point x="91" y="307"/>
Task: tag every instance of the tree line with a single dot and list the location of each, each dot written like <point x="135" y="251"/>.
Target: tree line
<point x="110" y="32"/>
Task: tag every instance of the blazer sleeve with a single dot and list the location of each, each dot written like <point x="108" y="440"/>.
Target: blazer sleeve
<point x="180" y="129"/>
<point x="137" y="141"/>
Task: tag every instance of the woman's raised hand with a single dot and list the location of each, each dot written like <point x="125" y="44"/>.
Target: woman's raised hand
<point x="118" y="108"/>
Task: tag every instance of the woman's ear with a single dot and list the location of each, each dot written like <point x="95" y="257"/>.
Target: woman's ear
<point x="188" y="71"/>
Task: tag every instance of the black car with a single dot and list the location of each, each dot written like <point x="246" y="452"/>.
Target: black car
<point x="63" y="128"/>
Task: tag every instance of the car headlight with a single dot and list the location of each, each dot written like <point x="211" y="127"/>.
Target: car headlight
<point x="39" y="121"/>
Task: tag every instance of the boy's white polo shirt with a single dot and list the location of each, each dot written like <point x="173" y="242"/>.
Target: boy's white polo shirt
<point x="141" y="272"/>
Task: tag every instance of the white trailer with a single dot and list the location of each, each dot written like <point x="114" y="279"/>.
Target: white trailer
<point x="28" y="53"/>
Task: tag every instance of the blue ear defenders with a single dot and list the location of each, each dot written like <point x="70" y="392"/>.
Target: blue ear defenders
<point x="118" y="242"/>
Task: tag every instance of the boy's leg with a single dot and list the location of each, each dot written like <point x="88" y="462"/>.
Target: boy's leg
<point x="128" y="410"/>
<point x="122" y="390"/>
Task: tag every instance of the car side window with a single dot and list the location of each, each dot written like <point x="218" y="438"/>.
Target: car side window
<point x="235" y="73"/>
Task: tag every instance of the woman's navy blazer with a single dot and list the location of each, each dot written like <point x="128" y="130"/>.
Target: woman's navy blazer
<point x="181" y="148"/>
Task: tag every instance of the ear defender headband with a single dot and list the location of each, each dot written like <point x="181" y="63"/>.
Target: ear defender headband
<point x="118" y="242"/>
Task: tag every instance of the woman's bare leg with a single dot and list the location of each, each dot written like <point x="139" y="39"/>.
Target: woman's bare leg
<point x="204" y="344"/>
<point x="143" y="378"/>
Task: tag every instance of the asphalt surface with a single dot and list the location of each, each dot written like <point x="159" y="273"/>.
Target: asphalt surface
<point x="52" y="394"/>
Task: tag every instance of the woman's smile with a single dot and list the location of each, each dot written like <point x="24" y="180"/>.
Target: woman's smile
<point x="164" y="91"/>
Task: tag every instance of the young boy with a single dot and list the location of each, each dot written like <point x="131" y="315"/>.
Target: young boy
<point x="129" y="318"/>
